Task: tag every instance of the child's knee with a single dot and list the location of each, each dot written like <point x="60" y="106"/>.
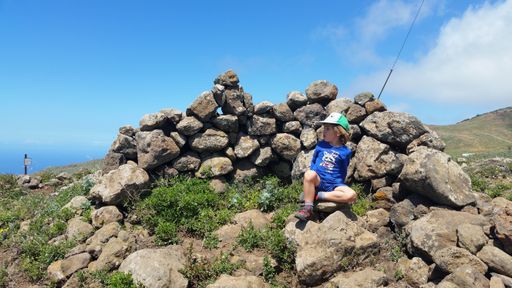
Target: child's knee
<point x="310" y="176"/>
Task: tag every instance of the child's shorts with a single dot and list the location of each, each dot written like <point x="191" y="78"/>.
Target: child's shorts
<point x="328" y="187"/>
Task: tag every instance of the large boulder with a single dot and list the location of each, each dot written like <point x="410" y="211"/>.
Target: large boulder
<point x="125" y="145"/>
<point x="374" y="159"/>
<point x="120" y="184"/>
<point x="322" y="247"/>
<point x="157" y="268"/>
<point x="59" y="270"/>
<point x="204" y="107"/>
<point x="227" y="281"/>
<point x="502" y="219"/>
<point x="210" y="141"/>
<point x="215" y="166"/>
<point x="259" y="126"/>
<point x="321" y="91"/>
<point x="153" y="121"/>
<point x="394" y="128"/>
<point x="301" y="163"/>
<point x="309" y="115"/>
<point x="496" y="259"/>
<point x="155" y="149"/>
<point x="438" y="230"/>
<point x="433" y="174"/>
<point x="286" y="145"/>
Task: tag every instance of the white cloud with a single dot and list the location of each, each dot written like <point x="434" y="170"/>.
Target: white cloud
<point x="471" y="61"/>
<point x="359" y="42"/>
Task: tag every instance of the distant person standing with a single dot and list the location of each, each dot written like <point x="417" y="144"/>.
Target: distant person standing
<point x="325" y="181"/>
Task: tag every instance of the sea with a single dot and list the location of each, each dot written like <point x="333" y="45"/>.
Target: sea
<point x="12" y="158"/>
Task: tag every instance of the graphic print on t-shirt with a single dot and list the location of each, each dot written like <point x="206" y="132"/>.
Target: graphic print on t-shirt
<point x="328" y="160"/>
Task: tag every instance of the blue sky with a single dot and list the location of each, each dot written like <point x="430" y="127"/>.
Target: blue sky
<point x="73" y="71"/>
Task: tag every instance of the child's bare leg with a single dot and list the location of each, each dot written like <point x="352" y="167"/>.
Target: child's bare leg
<point x="341" y="194"/>
<point x="311" y="180"/>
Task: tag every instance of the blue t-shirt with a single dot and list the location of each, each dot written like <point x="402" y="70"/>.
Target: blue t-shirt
<point x="330" y="162"/>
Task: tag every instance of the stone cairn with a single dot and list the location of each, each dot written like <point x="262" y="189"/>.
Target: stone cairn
<point x="454" y="237"/>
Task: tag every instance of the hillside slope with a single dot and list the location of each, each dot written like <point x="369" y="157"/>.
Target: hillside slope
<point x="489" y="132"/>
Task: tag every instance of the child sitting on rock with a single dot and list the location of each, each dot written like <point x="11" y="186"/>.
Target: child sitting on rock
<point x="325" y="181"/>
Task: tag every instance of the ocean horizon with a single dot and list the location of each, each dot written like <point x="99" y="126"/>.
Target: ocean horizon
<point x="12" y="158"/>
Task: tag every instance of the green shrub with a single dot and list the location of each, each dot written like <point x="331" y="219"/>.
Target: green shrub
<point x="280" y="215"/>
<point x="3" y="277"/>
<point x="189" y="203"/>
<point x="120" y="280"/>
<point x="201" y="272"/>
<point x="363" y="202"/>
<point x="166" y="233"/>
<point x="478" y="184"/>
<point x="250" y="238"/>
<point x="283" y="251"/>
<point x="211" y="241"/>
<point x="269" y="272"/>
<point x="274" y="195"/>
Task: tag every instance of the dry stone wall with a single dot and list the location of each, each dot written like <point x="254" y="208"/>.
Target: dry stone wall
<point x="224" y="134"/>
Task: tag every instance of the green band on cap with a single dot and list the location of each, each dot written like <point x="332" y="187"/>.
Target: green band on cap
<point x="344" y="123"/>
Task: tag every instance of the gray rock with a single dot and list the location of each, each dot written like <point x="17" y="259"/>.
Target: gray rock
<point x="189" y="161"/>
<point x="282" y="112"/>
<point x="394" y="128"/>
<point x="78" y="229"/>
<point x="262" y="156"/>
<point x="258" y="126"/>
<point x="173" y="116"/>
<point x="465" y="276"/>
<point x="210" y="141"/>
<point x="430" y="140"/>
<point x="189" y="126"/>
<point x="295" y="100"/>
<point x="157" y="268"/>
<point x="106" y="215"/>
<point x="321" y="247"/>
<point x="496" y="259"/>
<point x="340" y="105"/>
<point x="179" y="139"/>
<point x="234" y="103"/>
<point x="402" y="213"/>
<point x="301" y="164"/>
<point x="356" y="113"/>
<point x="227" y="281"/>
<point x="292" y="127"/>
<point x="415" y="271"/>
<point x="112" y="161"/>
<point x="214" y="166"/>
<point x="152" y="121"/>
<point x="245" y="169"/>
<point x="361" y="279"/>
<point x="112" y="255"/>
<point x="321" y="91"/>
<point x="433" y="174"/>
<point x="502" y="219"/>
<point x="246" y="145"/>
<point x="451" y="258"/>
<point x="226" y="123"/>
<point x="471" y="237"/>
<point x="116" y="186"/>
<point x="374" y="106"/>
<point x="437" y="230"/>
<point x="125" y="145"/>
<point x="308" y="138"/>
<point x="374" y="159"/>
<point x="204" y="107"/>
<point x="364" y="97"/>
<point x="309" y="115"/>
<point x="155" y="149"/>
<point x="127" y="130"/>
<point x="263" y="107"/>
<point x="286" y="145"/>
<point x="58" y="271"/>
<point x="229" y="79"/>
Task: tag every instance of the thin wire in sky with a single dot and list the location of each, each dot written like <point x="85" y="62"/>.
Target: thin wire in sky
<point x="401" y="48"/>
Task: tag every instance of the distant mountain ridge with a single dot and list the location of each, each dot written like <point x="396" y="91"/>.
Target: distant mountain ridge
<point x="484" y="133"/>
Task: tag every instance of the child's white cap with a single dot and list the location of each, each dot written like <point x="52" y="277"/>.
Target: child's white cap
<point x="337" y="119"/>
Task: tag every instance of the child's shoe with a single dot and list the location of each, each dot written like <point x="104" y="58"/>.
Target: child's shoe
<point x="304" y="214"/>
